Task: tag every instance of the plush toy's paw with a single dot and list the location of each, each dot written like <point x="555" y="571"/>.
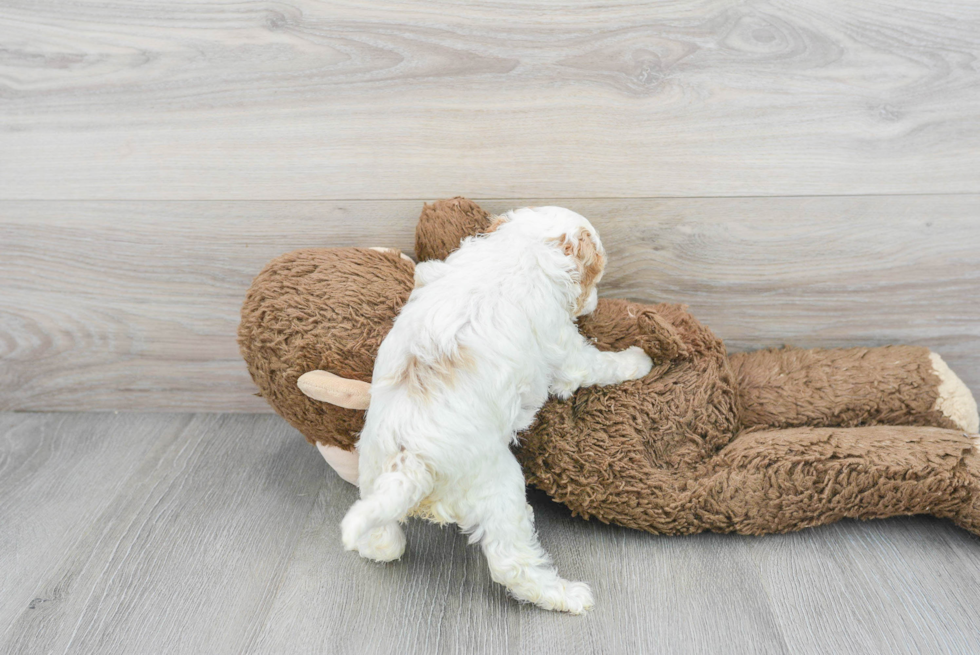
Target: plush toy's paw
<point x="633" y="363"/>
<point x="384" y="544"/>
<point x="567" y="596"/>
<point x="955" y="400"/>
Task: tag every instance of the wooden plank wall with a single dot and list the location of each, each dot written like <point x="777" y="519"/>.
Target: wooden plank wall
<point x="797" y="172"/>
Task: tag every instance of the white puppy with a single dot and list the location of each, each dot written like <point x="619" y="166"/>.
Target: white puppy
<point x="483" y="338"/>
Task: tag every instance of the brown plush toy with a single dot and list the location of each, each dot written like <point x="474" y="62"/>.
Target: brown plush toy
<point x="760" y="442"/>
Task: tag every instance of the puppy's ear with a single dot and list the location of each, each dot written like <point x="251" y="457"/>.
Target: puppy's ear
<point x="589" y="261"/>
<point x="495" y="223"/>
<point x="567" y="244"/>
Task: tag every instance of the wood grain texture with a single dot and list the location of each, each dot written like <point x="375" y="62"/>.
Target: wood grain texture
<point x="912" y="572"/>
<point x="399" y="99"/>
<point x="187" y="556"/>
<point x="158" y="533"/>
<point x="133" y="305"/>
<point x="58" y="475"/>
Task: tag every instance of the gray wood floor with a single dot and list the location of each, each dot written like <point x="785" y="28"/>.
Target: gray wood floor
<point x="218" y="533"/>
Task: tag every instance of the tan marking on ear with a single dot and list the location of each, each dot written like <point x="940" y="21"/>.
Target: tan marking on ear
<point x="563" y="242"/>
<point x="590" y="262"/>
<point x="413" y="378"/>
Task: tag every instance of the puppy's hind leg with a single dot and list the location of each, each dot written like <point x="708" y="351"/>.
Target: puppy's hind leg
<point x="503" y="523"/>
<point x="371" y="525"/>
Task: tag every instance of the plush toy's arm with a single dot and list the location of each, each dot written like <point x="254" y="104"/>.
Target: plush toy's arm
<point x="619" y="324"/>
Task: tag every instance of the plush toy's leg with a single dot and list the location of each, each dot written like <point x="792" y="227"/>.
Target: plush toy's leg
<point x="892" y="385"/>
<point x="784" y="480"/>
<point x="968" y="515"/>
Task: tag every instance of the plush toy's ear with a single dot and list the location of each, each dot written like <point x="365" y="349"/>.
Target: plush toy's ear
<point x="444" y="224"/>
<point x="333" y="389"/>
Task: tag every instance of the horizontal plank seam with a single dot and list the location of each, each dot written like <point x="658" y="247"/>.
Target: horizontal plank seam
<point x="485" y="198"/>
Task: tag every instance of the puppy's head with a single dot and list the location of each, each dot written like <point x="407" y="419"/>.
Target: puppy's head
<point x="574" y="238"/>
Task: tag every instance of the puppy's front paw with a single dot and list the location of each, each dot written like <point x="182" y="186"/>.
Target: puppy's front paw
<point x="634" y="363"/>
<point x="567" y="596"/>
<point x="563" y="388"/>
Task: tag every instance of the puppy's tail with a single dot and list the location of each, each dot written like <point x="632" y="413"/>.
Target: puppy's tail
<point x="405" y="482"/>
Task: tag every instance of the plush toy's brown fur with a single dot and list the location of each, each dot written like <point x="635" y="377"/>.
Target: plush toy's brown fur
<point x="761" y="442"/>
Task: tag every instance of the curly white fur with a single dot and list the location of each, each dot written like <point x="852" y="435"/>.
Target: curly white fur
<point x="472" y="356"/>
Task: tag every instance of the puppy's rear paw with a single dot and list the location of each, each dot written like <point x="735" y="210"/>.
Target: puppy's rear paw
<point x="354" y="527"/>
<point x="567" y="596"/>
<point x="384" y="544"/>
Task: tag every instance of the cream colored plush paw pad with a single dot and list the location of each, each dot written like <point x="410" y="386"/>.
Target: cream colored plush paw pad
<point x="955" y="400"/>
